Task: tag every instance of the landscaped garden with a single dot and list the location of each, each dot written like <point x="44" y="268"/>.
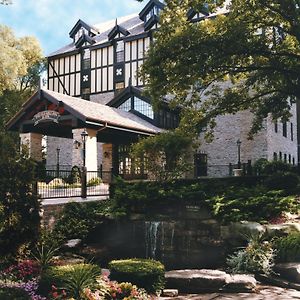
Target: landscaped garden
<point x="39" y="263"/>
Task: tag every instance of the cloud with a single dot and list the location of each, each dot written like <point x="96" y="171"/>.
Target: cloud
<point x="51" y="20"/>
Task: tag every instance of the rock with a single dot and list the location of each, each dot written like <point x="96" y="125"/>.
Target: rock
<point x="196" y="281"/>
<point x="238" y="230"/>
<point x="73" y="243"/>
<point x="240" y="283"/>
<point x="290" y="271"/>
<point x="282" y="229"/>
<point x="170" y="293"/>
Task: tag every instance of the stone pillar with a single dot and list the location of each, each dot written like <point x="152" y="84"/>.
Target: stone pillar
<point x="107" y="162"/>
<point x="33" y="142"/>
<point x="77" y="148"/>
<point x="91" y="150"/>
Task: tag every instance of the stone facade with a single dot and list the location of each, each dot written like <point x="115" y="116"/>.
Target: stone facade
<point x="33" y="142"/>
<point x="223" y="149"/>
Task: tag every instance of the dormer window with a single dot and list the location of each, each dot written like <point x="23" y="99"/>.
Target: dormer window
<point x="80" y="33"/>
<point x="86" y="59"/>
<point x="120" y="51"/>
<point x="150" y="13"/>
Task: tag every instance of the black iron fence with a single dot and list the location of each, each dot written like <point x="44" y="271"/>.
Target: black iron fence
<point x="76" y="182"/>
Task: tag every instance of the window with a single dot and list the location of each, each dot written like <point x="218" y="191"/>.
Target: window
<point x="86" y="59"/>
<point x="143" y="107"/>
<point x="280" y="155"/>
<point x="86" y="93"/>
<point x="290" y="158"/>
<point x="285" y="157"/>
<point x="120" y="51"/>
<point x="276" y="126"/>
<point x="126" y="105"/>
<point x="275" y="156"/>
<point x="284" y="129"/>
<point x="292" y="132"/>
<point x="79" y="33"/>
<point x="293" y="161"/>
<point x="120" y="85"/>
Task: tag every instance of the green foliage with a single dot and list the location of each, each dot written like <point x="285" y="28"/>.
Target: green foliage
<point x="78" y="219"/>
<point x="19" y="205"/>
<point x="256" y="258"/>
<point x="145" y="273"/>
<point x="251" y="204"/>
<point x="140" y="196"/>
<point x="94" y="181"/>
<point x="13" y="294"/>
<point x="282" y="181"/>
<point x="72" y="278"/>
<point x="166" y="154"/>
<point x="271" y="167"/>
<point x="254" y="48"/>
<point x="288" y="248"/>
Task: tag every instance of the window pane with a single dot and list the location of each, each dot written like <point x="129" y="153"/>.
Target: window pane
<point x="143" y="107"/>
<point x="126" y="105"/>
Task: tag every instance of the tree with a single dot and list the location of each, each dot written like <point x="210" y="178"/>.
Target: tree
<point x="21" y="63"/>
<point x="167" y="154"/>
<point x="6" y="2"/>
<point x="245" y="58"/>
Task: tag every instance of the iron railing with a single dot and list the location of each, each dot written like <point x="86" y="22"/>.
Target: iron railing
<point x="70" y="183"/>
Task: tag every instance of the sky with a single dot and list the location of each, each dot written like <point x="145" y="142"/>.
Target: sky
<point x="50" y="21"/>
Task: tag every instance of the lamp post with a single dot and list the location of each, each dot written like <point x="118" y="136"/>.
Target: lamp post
<point x="84" y="136"/>
<point x="57" y="162"/>
<point x="238" y="142"/>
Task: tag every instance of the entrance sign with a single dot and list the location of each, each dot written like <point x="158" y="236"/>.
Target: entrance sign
<point x="46" y="116"/>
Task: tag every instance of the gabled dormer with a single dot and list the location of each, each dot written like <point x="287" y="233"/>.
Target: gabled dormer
<point x="195" y="15"/>
<point x="84" y="40"/>
<point x="82" y="29"/>
<point x="118" y="31"/>
<point x="150" y="13"/>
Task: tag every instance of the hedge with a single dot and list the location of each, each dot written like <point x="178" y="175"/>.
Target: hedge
<point x="145" y="273"/>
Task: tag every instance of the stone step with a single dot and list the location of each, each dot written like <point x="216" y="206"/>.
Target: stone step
<point x="206" y="280"/>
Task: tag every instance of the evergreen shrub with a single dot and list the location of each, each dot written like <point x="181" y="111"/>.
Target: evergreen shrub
<point x="288" y="248"/>
<point x="78" y="219"/>
<point x="19" y="204"/>
<point x="282" y="181"/>
<point x="145" y="273"/>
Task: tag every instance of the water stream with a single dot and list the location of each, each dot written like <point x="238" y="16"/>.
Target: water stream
<point x="151" y="237"/>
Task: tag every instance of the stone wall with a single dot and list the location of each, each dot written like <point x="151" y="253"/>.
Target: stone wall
<point x="50" y="214"/>
<point x="65" y="153"/>
<point x="278" y="143"/>
<point x="223" y="149"/>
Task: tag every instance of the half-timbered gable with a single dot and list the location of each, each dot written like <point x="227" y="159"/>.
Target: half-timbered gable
<point x="150" y="14"/>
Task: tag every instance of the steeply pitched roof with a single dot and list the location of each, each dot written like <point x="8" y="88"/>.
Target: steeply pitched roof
<point x="91" y="112"/>
<point x="132" y="23"/>
<point x="80" y="24"/>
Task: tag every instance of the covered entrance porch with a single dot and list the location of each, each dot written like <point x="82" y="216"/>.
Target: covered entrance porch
<point x="79" y="143"/>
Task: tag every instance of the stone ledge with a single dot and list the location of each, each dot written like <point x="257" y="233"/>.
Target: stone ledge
<point x="206" y="280"/>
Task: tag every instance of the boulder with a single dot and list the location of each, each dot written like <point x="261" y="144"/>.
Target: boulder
<point x="73" y="243"/>
<point x="196" y="281"/>
<point x="290" y="271"/>
<point x="282" y="229"/>
<point x="237" y="231"/>
<point x="240" y="283"/>
<point x="170" y="293"/>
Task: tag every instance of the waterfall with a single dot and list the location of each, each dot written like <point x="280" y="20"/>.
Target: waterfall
<point x="151" y="230"/>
